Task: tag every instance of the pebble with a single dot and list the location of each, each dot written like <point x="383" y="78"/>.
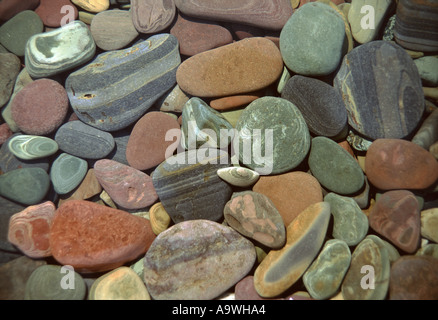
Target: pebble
<point x="152" y="15"/>
<point x="101" y="91"/>
<point x="128" y="187"/>
<point x="92" y="5"/>
<point x="52" y="13"/>
<point x="305" y="236"/>
<point x="119" y="284"/>
<point x="28" y="147"/>
<point x="428" y="69"/>
<point x="429" y="222"/>
<point x="88" y="188"/>
<point x="159" y="218"/>
<point x="223" y="71"/>
<point x="9" y="70"/>
<point x="9" y="8"/>
<point x="427" y="135"/>
<point x="324" y="276"/>
<point x="269" y="14"/>
<point x="381" y="77"/>
<point x="113" y="29"/>
<point x="414" y="278"/>
<point x="334" y="167"/>
<point x="40" y="107"/>
<point x="26" y="186"/>
<point x="323" y="53"/>
<point x="188" y="186"/>
<point x="15" y="33"/>
<point x="196" y="260"/>
<point x="320" y="104"/>
<point x="29" y="230"/>
<point x="232" y="102"/>
<point x="47" y="282"/>
<point x="67" y="172"/>
<point x="277" y="119"/>
<point x="238" y="176"/>
<point x="254" y="215"/>
<point x="350" y="224"/>
<point x="400" y="164"/>
<point x="428" y="250"/>
<point x="95" y="238"/>
<point x="84" y="141"/>
<point x="163" y="136"/>
<point x="173" y="101"/>
<point x="5" y="133"/>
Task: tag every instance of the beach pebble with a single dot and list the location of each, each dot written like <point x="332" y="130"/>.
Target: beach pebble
<point x="67" y="172"/>
<point x="53" y="12"/>
<point x="28" y="147"/>
<point x="429" y="224"/>
<point x="9" y="70"/>
<point x="428" y="69"/>
<point x="238" y="176"/>
<point x="88" y="188"/>
<point x="92" y="5"/>
<point x="159" y="218"/>
<point x="151" y="16"/>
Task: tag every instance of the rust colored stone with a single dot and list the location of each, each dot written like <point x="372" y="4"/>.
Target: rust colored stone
<point x="232" y="102"/>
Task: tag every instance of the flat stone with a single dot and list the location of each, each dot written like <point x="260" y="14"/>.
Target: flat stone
<point x="9" y="8"/>
<point x="128" y="187"/>
<point x="88" y="188"/>
<point x="95" y="238"/>
<point x="320" y="104"/>
<point x="334" y="167"/>
<point x="40" y="107"/>
<point x="290" y="192"/>
<point x="46" y="283"/>
<point x="400" y="164"/>
<point x="10" y="66"/>
<point x="28" y="147"/>
<point x="29" y="230"/>
<point x="427" y="135"/>
<point x="196" y="260"/>
<point x="323" y="53"/>
<point x="305" y="236"/>
<point x="277" y="133"/>
<point x="102" y="92"/>
<point x="16" y="31"/>
<point x="225" y="70"/>
<point x="414" y="278"/>
<point x="381" y="77"/>
<point x="269" y="14"/>
<point x="429" y="222"/>
<point x="371" y="282"/>
<point x="152" y="16"/>
<point x="238" y="176"/>
<point x="188" y="186"/>
<point x="92" y="5"/>
<point x="159" y="218"/>
<point x="149" y="143"/>
<point x="67" y="172"/>
<point x="428" y="69"/>
<point x="84" y="141"/>
<point x="113" y="29"/>
<point x="324" y="276"/>
<point x="26" y="186"/>
<point x="254" y="215"/>
<point x="120" y="284"/>
<point x="396" y="216"/>
<point x="52" y="13"/>
<point x="350" y="224"/>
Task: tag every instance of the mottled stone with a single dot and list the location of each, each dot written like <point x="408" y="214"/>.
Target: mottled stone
<point x="94" y="238"/>
<point x="414" y="278"/>
<point x="92" y="5"/>
<point x="26" y="186"/>
<point x="320" y="104"/>
<point x="67" y="172"/>
<point x="312" y="40"/>
<point x="159" y="218"/>
<point x="188" y="186"/>
<point x="273" y="136"/>
<point x="28" y="147"/>
<point x="399" y="164"/>
<point x="120" y="284"/>
<point x="350" y="224"/>
<point x="10" y="66"/>
<point x="48" y="283"/>
<point x="290" y="192"/>
<point x="358" y="142"/>
<point x="238" y="176"/>
<point x="196" y="260"/>
<point x="54" y="14"/>
<point x="88" y="188"/>
<point x="324" y="276"/>
<point x="381" y="89"/>
<point x="118" y="87"/>
<point x="305" y="236"/>
<point x="152" y="16"/>
<point x="128" y="187"/>
<point x="334" y="167"/>
<point x="368" y="275"/>
<point x="429" y="224"/>
<point x="149" y="143"/>
<point x="84" y="141"/>
<point x="254" y="215"/>
<point x="427" y="135"/>
<point x="269" y="14"/>
<point x="226" y="70"/>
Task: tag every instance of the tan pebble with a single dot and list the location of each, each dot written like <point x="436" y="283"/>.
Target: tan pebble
<point x="159" y="218"/>
<point x="92" y="5"/>
<point x="361" y="161"/>
<point x="431" y="92"/>
<point x="107" y="199"/>
<point x="429" y="224"/>
<point x="295" y="3"/>
<point x="433" y="149"/>
<point x="86" y="17"/>
<point x="174" y="101"/>
<point x="238" y="176"/>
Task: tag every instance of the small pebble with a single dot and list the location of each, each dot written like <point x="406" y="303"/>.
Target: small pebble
<point x="238" y="176"/>
<point x="27" y="147"/>
<point x="67" y="172"/>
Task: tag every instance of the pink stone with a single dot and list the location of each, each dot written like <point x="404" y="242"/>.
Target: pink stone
<point x="128" y="187"/>
<point x="51" y="14"/>
<point x="29" y="230"/>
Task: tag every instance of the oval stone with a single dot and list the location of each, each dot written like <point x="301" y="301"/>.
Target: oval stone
<point x="150" y="16"/>
<point x="92" y="5"/>
<point x="238" y="176"/>
<point x="334" y="167"/>
<point x="84" y="141"/>
<point x="52" y="12"/>
<point x="28" y="147"/>
<point x="273" y="136"/>
<point x="196" y="260"/>
<point x="67" y="172"/>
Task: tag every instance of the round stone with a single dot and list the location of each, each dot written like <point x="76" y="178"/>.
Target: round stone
<point x="67" y="172"/>
<point x="28" y="147"/>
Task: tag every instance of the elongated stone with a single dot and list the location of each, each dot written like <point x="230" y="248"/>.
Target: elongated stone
<point x="118" y="87"/>
<point x="159" y="218"/>
<point x="195" y="260"/>
<point x="62" y="49"/>
<point x="28" y="147"/>
<point x="305" y="236"/>
<point x="238" y="176"/>
<point x="67" y="172"/>
<point x="152" y="15"/>
<point x="93" y="5"/>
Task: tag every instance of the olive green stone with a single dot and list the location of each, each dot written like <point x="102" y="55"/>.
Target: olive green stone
<point x="28" y="147"/>
<point x="67" y="173"/>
